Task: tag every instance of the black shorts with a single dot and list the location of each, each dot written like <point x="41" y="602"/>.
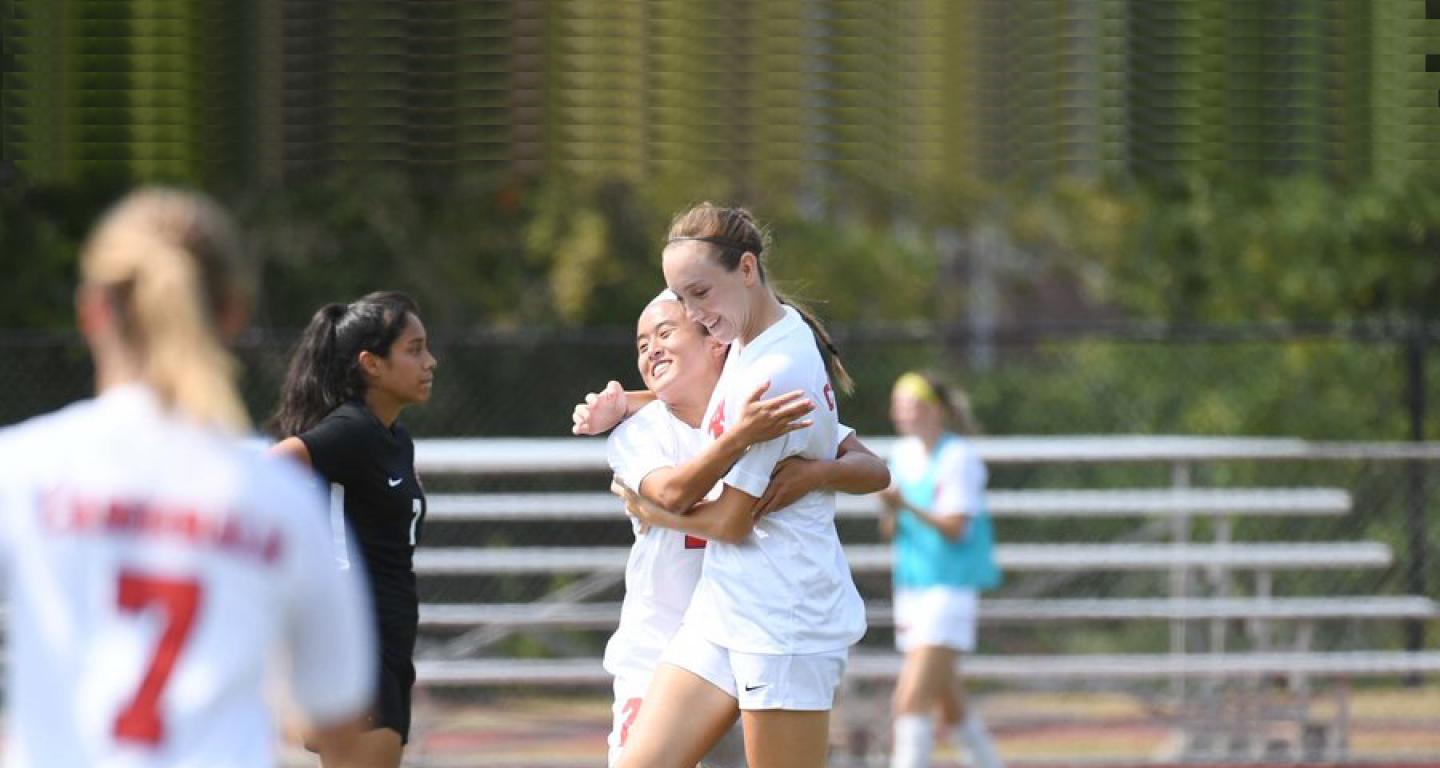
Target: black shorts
<point x="397" y="678"/>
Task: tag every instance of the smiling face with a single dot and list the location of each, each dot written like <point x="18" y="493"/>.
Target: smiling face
<point x="678" y="361"/>
<point x="718" y="299"/>
<point x="407" y="373"/>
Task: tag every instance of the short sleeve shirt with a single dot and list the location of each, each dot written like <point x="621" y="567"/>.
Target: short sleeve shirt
<point x="154" y="569"/>
<point x="370" y="470"/>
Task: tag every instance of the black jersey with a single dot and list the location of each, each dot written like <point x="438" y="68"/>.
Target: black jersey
<point x="371" y="472"/>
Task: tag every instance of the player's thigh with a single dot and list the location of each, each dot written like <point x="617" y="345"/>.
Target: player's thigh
<point x="786" y="738"/>
<point x="729" y="752"/>
<point x="926" y="676"/>
<point x="682" y="717"/>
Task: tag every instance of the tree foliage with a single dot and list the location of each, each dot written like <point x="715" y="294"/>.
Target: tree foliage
<point x="1296" y="249"/>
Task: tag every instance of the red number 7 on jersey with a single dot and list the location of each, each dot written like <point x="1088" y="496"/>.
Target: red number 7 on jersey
<point x="180" y="599"/>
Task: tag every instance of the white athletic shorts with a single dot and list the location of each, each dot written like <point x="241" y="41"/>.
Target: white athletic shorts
<point x="729" y="752"/>
<point x="943" y="616"/>
<point x="804" y="682"/>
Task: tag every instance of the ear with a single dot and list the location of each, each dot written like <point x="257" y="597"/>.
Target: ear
<point x="94" y="315"/>
<point x="369" y="363"/>
<point x="749" y="268"/>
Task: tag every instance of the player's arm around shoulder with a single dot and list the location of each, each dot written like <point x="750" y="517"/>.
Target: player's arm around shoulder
<point x="855" y="470"/>
<point x="599" y="412"/>
<point x="725" y="519"/>
<point x="760" y="420"/>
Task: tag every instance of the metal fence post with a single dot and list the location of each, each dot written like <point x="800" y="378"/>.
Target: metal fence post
<point x="1417" y="564"/>
<point x="1179" y="575"/>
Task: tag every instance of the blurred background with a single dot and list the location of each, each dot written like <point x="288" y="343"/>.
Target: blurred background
<point x="1100" y="217"/>
<point x="1104" y="215"/>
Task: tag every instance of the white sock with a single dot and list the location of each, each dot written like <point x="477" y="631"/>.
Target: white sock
<point x="914" y="741"/>
<point x="976" y="739"/>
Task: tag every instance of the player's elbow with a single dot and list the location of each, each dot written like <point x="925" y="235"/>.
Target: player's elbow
<point x="879" y="480"/>
<point x="672" y="498"/>
<point x="955" y="531"/>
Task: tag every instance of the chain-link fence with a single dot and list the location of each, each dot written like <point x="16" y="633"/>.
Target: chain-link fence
<point x="1064" y="381"/>
<point x="1356" y="531"/>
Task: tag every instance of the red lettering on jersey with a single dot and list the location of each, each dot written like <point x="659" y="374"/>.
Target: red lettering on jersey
<point x="140" y="721"/>
<point x="229" y="534"/>
<point x="717" y="422"/>
<point x="829" y="396"/>
<point x="694" y="542"/>
<point x="628" y="712"/>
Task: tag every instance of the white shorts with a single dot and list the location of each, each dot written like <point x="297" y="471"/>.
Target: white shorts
<point x="943" y="616"/>
<point x="803" y="682"/>
<point x="729" y="752"/>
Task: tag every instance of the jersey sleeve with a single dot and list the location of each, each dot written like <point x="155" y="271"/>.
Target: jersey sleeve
<point x="330" y="633"/>
<point x="842" y="433"/>
<point x="960" y="483"/>
<point x="638" y="447"/>
<point x="751" y="474"/>
<point x="335" y="446"/>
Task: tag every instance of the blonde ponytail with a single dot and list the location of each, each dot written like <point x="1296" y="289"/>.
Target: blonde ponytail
<point x="169" y="260"/>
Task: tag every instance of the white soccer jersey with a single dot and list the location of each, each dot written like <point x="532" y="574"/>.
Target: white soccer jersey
<point x="664" y="565"/>
<point x="961" y="476"/>
<point x="154" y="570"/>
<point x="787" y="588"/>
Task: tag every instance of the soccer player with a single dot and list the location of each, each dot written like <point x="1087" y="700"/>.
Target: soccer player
<point x="944" y="556"/>
<point x="357" y="367"/>
<point x="156" y="566"/>
<point x="774" y="614"/>
<point x="661" y="451"/>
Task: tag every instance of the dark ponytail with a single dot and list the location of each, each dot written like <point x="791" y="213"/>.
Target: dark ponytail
<point x="733" y="232"/>
<point x="838" y="375"/>
<point x="325" y="367"/>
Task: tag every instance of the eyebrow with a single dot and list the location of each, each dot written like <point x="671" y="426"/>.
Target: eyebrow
<point x="656" y="329"/>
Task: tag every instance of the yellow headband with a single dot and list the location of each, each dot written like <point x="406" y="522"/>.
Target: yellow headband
<point x="918" y="387"/>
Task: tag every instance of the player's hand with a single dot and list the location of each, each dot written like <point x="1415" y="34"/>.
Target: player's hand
<point x="794" y="477"/>
<point x="647" y="512"/>
<point x="600" y="412"/>
<point x="762" y="420"/>
<point x="891" y="499"/>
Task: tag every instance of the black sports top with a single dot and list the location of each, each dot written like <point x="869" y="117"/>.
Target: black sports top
<point x="371" y="471"/>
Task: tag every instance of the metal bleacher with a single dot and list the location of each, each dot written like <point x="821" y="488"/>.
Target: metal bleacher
<point x="1201" y="577"/>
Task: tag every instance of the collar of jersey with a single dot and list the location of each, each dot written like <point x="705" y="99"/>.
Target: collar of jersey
<point x="772" y="335"/>
<point x="132" y="396"/>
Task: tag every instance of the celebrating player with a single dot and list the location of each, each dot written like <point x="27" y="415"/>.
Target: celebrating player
<point x="356" y="368"/>
<point x="156" y="564"/>
<point x="774" y="614"/>
<point x="662" y="452"/>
